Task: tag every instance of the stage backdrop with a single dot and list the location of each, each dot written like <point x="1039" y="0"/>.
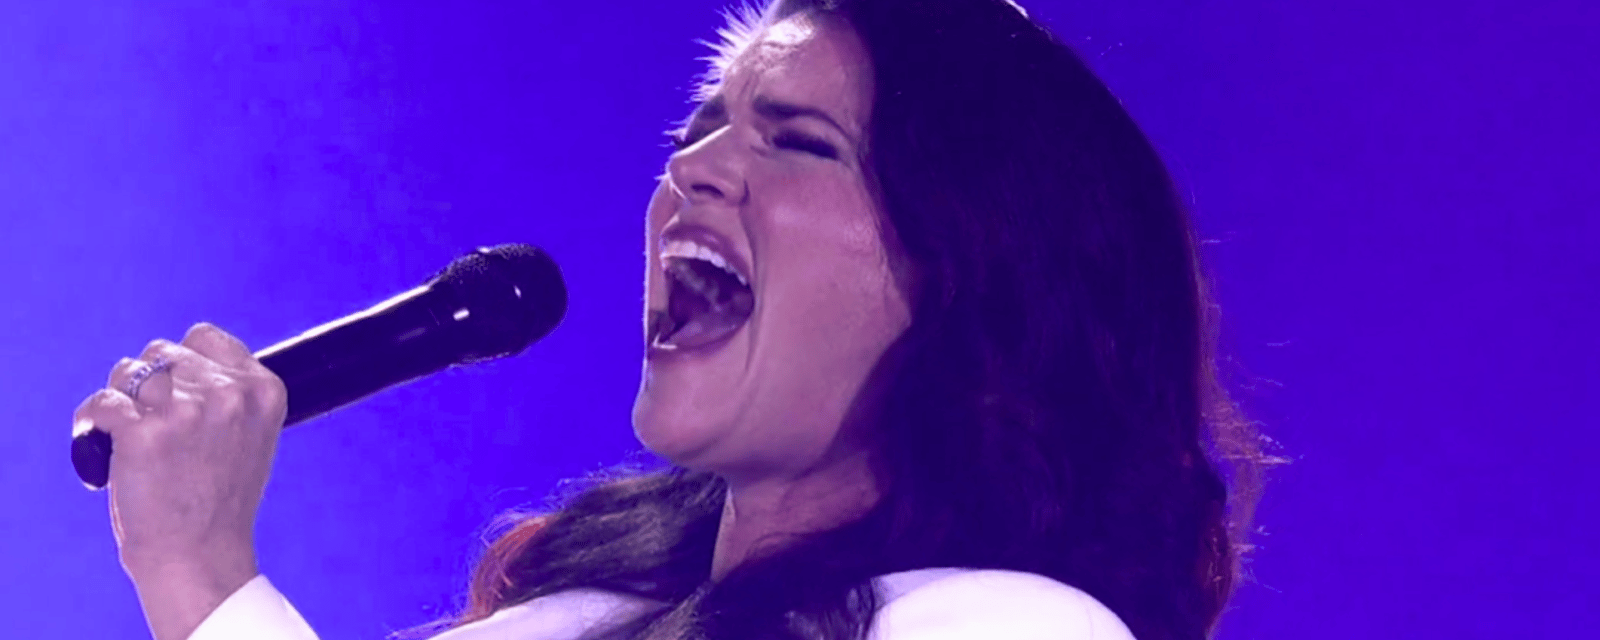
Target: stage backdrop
<point x="1402" y="198"/>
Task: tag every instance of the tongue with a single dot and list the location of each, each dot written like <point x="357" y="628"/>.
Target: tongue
<point x="707" y="313"/>
<point x="705" y="329"/>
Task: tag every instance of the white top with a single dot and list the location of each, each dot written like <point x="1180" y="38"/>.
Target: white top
<point x="926" y="604"/>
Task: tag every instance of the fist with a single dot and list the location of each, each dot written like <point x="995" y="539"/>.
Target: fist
<point x="192" y="452"/>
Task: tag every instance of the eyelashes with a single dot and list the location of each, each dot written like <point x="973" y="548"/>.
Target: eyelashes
<point x="680" y="140"/>
<point x="808" y="144"/>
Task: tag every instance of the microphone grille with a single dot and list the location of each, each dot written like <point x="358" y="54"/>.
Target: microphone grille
<point x="515" y="295"/>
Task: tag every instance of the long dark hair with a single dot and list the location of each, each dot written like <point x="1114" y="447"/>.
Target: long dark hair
<point x="1057" y="410"/>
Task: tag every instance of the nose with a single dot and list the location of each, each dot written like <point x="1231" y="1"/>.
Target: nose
<point x="710" y="170"/>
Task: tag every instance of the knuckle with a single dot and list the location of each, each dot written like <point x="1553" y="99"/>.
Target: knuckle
<point x="202" y="330"/>
<point x="122" y="368"/>
<point x="273" y="387"/>
<point x="157" y="346"/>
<point x="270" y="390"/>
<point x="95" y="400"/>
<point x="231" y="395"/>
<point x="110" y="398"/>
<point x="225" y="385"/>
<point x="123" y="364"/>
<point x="107" y="409"/>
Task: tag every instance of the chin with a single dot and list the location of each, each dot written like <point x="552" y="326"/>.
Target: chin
<point x="678" y="436"/>
<point x="690" y="403"/>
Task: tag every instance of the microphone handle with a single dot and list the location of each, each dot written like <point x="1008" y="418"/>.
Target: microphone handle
<point x="406" y="337"/>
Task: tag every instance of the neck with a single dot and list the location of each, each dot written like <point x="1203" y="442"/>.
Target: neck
<point x="762" y="516"/>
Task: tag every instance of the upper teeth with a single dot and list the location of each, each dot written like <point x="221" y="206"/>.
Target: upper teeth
<point x="695" y="250"/>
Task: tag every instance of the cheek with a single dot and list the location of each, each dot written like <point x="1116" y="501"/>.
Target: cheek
<point x="835" y="271"/>
<point x="833" y="312"/>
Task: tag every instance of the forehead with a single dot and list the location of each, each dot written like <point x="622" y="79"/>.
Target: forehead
<point x="817" y="61"/>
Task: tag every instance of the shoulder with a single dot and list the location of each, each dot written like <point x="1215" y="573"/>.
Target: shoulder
<point x="564" y="615"/>
<point x="957" y="604"/>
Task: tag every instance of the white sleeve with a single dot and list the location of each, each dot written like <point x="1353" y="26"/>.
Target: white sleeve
<point x="255" y="612"/>
<point x="997" y="605"/>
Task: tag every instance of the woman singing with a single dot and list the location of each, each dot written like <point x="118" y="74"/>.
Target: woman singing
<point x="928" y="346"/>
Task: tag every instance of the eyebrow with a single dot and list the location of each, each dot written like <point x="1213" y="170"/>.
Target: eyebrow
<point x="715" y="109"/>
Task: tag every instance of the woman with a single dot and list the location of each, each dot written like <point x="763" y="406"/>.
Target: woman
<point x="928" y="349"/>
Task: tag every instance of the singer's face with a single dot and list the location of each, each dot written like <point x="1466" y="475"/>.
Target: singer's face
<point x="771" y="171"/>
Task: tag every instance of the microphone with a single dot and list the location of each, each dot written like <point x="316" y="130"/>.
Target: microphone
<point x="488" y="304"/>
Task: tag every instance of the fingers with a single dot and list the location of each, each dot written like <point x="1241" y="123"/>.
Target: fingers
<point x="107" y="410"/>
<point x="212" y="342"/>
<point x="156" y="387"/>
<point x="205" y="348"/>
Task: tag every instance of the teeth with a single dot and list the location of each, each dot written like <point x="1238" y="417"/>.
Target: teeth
<point x="695" y="250"/>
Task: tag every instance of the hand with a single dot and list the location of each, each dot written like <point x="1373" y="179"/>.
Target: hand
<point x="191" y="458"/>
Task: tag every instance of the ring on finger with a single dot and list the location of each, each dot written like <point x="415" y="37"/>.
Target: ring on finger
<point x="143" y="373"/>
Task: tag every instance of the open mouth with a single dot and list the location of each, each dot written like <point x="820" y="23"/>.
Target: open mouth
<point x="705" y="303"/>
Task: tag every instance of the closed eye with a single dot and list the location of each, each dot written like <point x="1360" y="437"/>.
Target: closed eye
<point x="681" y="139"/>
<point x="808" y="144"/>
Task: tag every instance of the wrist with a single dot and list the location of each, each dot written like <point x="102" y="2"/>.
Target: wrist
<point x="177" y="595"/>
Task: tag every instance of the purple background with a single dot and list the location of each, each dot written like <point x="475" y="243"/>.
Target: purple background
<point x="1403" y="196"/>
